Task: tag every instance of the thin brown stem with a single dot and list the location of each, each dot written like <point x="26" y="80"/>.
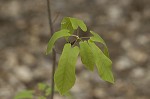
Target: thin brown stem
<point x="50" y="17"/>
<point x="56" y="17"/>
<point x="53" y="53"/>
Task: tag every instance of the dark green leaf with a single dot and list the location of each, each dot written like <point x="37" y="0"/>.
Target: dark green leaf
<point x="87" y="55"/>
<point x="65" y="74"/>
<point x="56" y="35"/>
<point x="97" y="38"/>
<point x="103" y="63"/>
<point x="24" y="95"/>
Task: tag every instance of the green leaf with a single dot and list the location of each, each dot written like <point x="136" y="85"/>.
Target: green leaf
<point x="97" y="38"/>
<point x="65" y="74"/>
<point x="41" y="97"/>
<point x="48" y="91"/>
<point x="65" y="94"/>
<point x="66" y="24"/>
<point x="103" y="63"/>
<point x="72" y="24"/>
<point x="42" y="86"/>
<point x="24" y="95"/>
<point x="56" y="35"/>
<point x="87" y="56"/>
<point x="82" y="25"/>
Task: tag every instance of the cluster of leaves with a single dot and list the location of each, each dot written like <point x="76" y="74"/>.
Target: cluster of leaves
<point x="90" y="54"/>
<point x="43" y="89"/>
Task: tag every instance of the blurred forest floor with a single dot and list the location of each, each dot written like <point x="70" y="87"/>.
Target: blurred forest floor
<point x="124" y="25"/>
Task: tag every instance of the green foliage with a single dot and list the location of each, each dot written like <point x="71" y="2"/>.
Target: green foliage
<point x="90" y="54"/>
<point x="97" y="38"/>
<point x="44" y="89"/>
<point x="72" y="24"/>
<point x="57" y="35"/>
<point x="41" y="97"/>
<point x="65" y="73"/>
<point x="103" y="63"/>
<point x="48" y="91"/>
<point x="66" y="24"/>
<point x="87" y="56"/>
<point x="24" y="95"/>
<point x="42" y="86"/>
<point x="81" y="25"/>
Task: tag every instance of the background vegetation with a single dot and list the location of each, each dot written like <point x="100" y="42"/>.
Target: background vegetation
<point x="124" y="24"/>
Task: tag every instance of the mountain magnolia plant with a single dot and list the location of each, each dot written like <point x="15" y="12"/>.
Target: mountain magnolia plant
<point x="89" y="52"/>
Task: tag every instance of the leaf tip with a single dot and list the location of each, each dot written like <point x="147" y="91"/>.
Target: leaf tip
<point x="47" y="52"/>
<point x="112" y="82"/>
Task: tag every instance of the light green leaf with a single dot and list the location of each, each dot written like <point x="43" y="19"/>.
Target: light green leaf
<point x="97" y="38"/>
<point x="65" y="74"/>
<point x="56" y="35"/>
<point x="82" y="25"/>
<point x="72" y="24"/>
<point x="24" y="95"/>
<point x="42" y="86"/>
<point x="65" y="94"/>
<point x="41" y="97"/>
<point x="87" y="56"/>
<point x="66" y="24"/>
<point x="103" y="63"/>
<point x="48" y="91"/>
